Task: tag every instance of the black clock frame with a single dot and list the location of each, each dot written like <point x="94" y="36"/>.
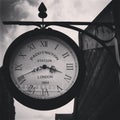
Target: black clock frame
<point x="44" y="104"/>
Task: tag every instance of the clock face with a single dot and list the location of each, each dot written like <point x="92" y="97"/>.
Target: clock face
<point x="104" y="33"/>
<point x="44" y="67"/>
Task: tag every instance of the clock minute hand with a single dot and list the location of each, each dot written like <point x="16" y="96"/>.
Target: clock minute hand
<point x="28" y="72"/>
<point x="34" y="70"/>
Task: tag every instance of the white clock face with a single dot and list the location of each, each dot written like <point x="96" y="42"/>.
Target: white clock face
<point x="44" y="68"/>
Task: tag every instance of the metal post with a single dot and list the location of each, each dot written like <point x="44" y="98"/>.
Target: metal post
<point x="116" y="12"/>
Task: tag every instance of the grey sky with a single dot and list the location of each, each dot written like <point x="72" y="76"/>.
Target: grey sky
<point x="58" y="10"/>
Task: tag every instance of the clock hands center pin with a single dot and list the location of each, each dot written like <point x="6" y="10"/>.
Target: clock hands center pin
<point x="52" y="69"/>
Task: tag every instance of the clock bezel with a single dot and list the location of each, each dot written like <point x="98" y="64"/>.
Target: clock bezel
<point x="44" y="104"/>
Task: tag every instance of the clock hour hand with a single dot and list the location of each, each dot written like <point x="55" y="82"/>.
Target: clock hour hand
<point x="52" y="69"/>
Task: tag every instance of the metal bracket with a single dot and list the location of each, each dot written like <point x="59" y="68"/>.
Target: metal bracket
<point x="42" y="14"/>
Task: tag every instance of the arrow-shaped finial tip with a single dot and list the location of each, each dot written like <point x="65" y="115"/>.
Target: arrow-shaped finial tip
<point x="42" y="7"/>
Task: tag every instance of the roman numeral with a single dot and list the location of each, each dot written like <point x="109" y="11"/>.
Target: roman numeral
<point x="31" y="89"/>
<point x="65" y="55"/>
<point x="18" y="67"/>
<point x="56" y="46"/>
<point x="21" y="79"/>
<point x="31" y="46"/>
<point x="59" y="88"/>
<point x="43" y="43"/>
<point x="45" y="92"/>
<point x="69" y="66"/>
<point x="67" y="78"/>
<point x="22" y="55"/>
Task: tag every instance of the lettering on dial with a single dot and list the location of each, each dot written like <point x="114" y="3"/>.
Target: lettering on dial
<point x="21" y="79"/>
<point x="56" y="46"/>
<point x="65" y="55"/>
<point x="45" y="92"/>
<point x="31" y="89"/>
<point x="59" y="88"/>
<point x="31" y="46"/>
<point x="69" y="66"/>
<point x="67" y="78"/>
<point x="43" y="43"/>
<point x="18" y="67"/>
<point x="22" y="55"/>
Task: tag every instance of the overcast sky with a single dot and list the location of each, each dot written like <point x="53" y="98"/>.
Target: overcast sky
<point x="58" y="10"/>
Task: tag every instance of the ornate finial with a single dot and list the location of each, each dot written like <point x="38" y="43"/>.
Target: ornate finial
<point x="42" y="11"/>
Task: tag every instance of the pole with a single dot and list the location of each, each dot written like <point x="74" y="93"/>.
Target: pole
<point x="116" y="13"/>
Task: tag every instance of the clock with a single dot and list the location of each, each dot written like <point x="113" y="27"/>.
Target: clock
<point x="44" y="69"/>
<point x="105" y="33"/>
